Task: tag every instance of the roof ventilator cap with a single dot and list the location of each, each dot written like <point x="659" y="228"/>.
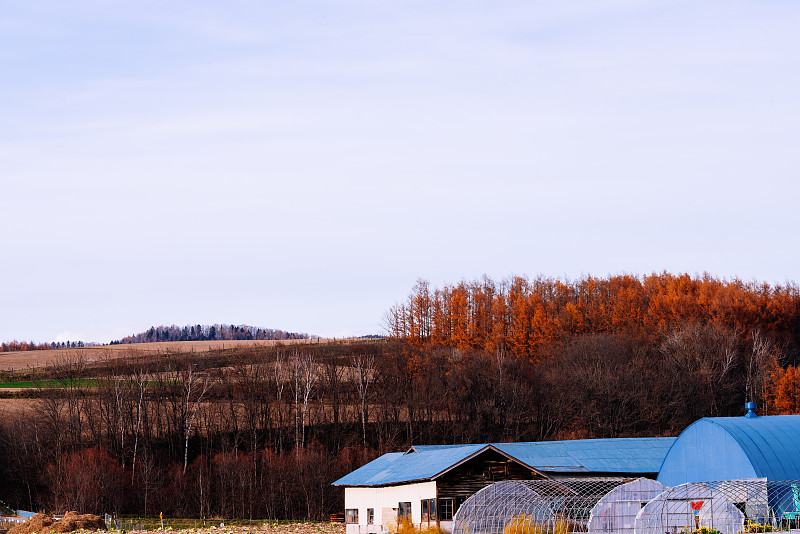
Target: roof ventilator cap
<point x="751" y="409"/>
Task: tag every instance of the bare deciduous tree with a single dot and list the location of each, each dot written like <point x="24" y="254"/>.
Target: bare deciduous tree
<point x="280" y="375"/>
<point x="363" y="367"/>
<point x="195" y="388"/>
<point x="141" y="379"/>
<point x="304" y="376"/>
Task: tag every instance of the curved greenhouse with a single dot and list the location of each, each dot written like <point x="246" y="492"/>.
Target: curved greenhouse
<point x="617" y="510"/>
<point x="533" y="506"/>
<point x="631" y="506"/>
<point x="716" y="506"/>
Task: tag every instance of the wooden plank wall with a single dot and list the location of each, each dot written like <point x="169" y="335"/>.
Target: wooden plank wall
<point x="479" y="472"/>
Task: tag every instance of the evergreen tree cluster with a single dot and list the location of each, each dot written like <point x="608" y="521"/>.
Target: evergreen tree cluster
<point x="208" y="333"/>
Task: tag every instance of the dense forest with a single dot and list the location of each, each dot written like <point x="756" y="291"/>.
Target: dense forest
<point x="263" y="431"/>
<point x="622" y="355"/>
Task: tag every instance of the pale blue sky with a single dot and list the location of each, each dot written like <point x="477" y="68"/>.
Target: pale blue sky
<point x="298" y="165"/>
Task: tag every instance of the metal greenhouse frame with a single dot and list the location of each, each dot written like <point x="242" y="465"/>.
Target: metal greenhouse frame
<point x="552" y="506"/>
<point x="728" y="507"/>
<point x="615" y="512"/>
<point x="631" y="506"/>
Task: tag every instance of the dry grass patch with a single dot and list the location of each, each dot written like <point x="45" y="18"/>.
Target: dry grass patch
<point x="258" y="528"/>
<point x="12" y="361"/>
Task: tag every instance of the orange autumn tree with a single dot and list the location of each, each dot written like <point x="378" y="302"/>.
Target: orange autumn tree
<point x="521" y="315"/>
<point x="784" y="393"/>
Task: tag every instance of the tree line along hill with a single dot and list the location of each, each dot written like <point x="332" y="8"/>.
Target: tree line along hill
<point x="168" y="333"/>
<point x="262" y="431"/>
<point x="208" y="333"/>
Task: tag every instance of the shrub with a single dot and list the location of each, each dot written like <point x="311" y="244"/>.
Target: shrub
<point x="405" y="526"/>
<point x="752" y="526"/>
<point x="701" y="530"/>
<point x="524" y="524"/>
<point x="89" y="480"/>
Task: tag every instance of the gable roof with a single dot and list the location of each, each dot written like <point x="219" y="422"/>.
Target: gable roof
<point x="427" y="462"/>
<point x="418" y="463"/>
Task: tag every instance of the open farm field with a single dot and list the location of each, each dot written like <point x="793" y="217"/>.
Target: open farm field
<point x="12" y="361"/>
<point x="80" y="382"/>
<point x="9" y="407"/>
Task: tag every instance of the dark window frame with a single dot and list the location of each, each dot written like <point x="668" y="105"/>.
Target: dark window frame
<point x="447" y="509"/>
<point x="404" y="511"/>
<point x="429" y="508"/>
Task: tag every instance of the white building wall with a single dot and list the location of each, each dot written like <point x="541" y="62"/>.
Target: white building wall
<point x="386" y="497"/>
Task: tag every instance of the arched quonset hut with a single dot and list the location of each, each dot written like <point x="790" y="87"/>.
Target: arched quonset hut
<point x="727" y="448"/>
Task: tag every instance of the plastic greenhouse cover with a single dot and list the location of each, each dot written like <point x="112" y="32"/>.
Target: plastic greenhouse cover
<point x="690" y="506"/>
<point x="616" y="511"/>
<point x="631" y="506"/>
<point x="553" y="506"/>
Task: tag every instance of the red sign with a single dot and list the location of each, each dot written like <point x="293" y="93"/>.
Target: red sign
<point x="696" y="505"/>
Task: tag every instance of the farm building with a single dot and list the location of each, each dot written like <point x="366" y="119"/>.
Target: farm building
<point x="727" y="448"/>
<point x="427" y="484"/>
<point x="721" y="472"/>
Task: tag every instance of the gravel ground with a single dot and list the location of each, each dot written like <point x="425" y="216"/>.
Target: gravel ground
<point x="266" y="528"/>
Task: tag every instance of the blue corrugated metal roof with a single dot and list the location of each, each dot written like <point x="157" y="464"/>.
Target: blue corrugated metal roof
<point x="543" y="455"/>
<point x="397" y="467"/>
<point x="420" y="448"/>
<point x="620" y="455"/>
<point x="772" y="443"/>
<point x="724" y="448"/>
<point x="423" y="462"/>
<point x="640" y="455"/>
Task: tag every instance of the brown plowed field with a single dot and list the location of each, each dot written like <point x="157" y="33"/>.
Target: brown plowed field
<point x="10" y="361"/>
<point x="13" y="406"/>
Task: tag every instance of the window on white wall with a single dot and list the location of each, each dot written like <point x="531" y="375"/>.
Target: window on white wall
<point x="404" y="511"/>
<point x="351" y="515"/>
<point x="370" y="516"/>
<point x="428" y="510"/>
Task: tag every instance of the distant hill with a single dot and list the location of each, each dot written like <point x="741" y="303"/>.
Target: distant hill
<point x="208" y="333"/>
